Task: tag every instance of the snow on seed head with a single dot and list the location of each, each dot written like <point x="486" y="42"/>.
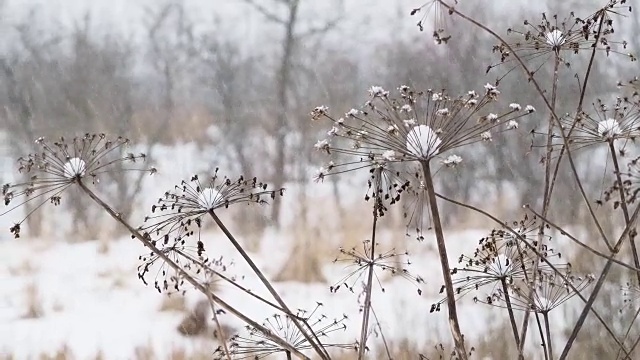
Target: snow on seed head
<point x="378" y="91"/>
<point x="609" y="129"/>
<point x="512" y="124"/>
<point x="423" y="142"/>
<point x="208" y="198"/>
<point x="555" y="38"/>
<point x="452" y="160"/>
<point x="501" y="265"/>
<point x="74" y="167"/>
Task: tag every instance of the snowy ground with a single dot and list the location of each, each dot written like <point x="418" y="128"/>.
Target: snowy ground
<point x="92" y="301"/>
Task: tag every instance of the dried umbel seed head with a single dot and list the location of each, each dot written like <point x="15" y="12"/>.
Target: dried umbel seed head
<point x="412" y="127"/>
<point x="188" y="202"/>
<point x="549" y="290"/>
<point x="358" y="263"/>
<point x="553" y="39"/>
<point x="63" y="163"/>
<point x="434" y="12"/>
<point x="630" y="185"/>
<point x="617" y="123"/>
<point x="502" y="259"/>
<point x="256" y="345"/>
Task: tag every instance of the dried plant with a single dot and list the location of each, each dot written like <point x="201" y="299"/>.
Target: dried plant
<point x="406" y="139"/>
<point x="255" y="345"/>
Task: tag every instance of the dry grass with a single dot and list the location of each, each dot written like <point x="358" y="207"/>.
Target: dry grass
<point x="306" y="260"/>
<point x="116" y="277"/>
<point x="34" y="302"/>
<point x="103" y="246"/>
<point x="173" y="302"/>
<point x="25" y="268"/>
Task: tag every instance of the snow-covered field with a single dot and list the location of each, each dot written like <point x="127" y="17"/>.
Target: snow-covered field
<point x="92" y="302"/>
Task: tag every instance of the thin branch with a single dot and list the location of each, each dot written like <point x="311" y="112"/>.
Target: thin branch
<point x="265" y="12"/>
<point x="221" y="335"/>
<point x="583" y="245"/>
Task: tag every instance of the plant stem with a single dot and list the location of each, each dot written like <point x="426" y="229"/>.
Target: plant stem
<point x="583" y="91"/>
<point x="625" y="208"/>
<point x="539" y="90"/>
<point x="367" y="298"/>
<point x="384" y="340"/>
<point x="548" y="330"/>
<point x="534" y="249"/>
<point x="147" y="242"/>
<point x="548" y="188"/>
<point x="221" y="335"/>
<point x="544" y="344"/>
<point x="596" y="290"/>
<point x="626" y="336"/>
<point x="319" y="349"/>
<point x="454" y="323"/>
<point x="512" y="317"/>
<point x="229" y="281"/>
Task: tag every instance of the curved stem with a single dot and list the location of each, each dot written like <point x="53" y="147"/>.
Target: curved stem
<point x="230" y="281"/>
<point x="628" y="230"/>
<point x="319" y="349"/>
<point x="147" y="242"/>
<point x="548" y="190"/>
<point x="583" y="91"/>
<point x="582" y="244"/>
<point x="624" y="207"/>
<point x="454" y="323"/>
<point x="222" y="337"/>
<point x="384" y="339"/>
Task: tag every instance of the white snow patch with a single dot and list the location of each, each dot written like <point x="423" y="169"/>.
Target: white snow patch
<point x="209" y="198"/>
<point x="609" y="129"/>
<point x="555" y="38"/>
<point x="74" y="167"/>
<point x="423" y="142"/>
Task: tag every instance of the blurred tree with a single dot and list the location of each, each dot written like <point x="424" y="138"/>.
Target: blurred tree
<point x="294" y="35"/>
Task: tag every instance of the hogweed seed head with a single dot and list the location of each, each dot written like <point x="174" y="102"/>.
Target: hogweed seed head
<point x="502" y="257"/>
<point x="257" y="345"/>
<point x="414" y="126"/>
<point x="359" y="262"/>
<point x="618" y="123"/>
<point x="553" y="38"/>
<point x="193" y="199"/>
<point x="60" y="164"/>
